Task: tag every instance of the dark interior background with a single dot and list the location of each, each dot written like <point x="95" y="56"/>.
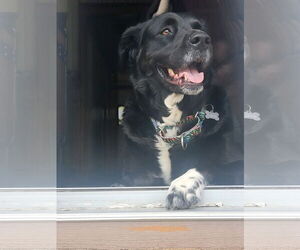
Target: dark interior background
<point x="89" y="93"/>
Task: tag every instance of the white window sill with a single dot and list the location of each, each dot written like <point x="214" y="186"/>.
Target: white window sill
<point x="107" y="204"/>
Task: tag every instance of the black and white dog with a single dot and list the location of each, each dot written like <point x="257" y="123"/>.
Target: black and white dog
<point x="169" y="136"/>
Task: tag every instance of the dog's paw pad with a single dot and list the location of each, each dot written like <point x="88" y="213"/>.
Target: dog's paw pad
<point x="185" y="191"/>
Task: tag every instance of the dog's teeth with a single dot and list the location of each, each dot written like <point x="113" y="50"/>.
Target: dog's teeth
<point x="171" y="72"/>
<point x="185" y="77"/>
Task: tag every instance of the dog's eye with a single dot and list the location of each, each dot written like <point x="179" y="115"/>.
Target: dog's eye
<point x="166" y="31"/>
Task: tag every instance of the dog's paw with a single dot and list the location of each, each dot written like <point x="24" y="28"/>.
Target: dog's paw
<point x="185" y="191"/>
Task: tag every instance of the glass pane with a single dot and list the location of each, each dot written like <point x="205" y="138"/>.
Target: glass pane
<point x="92" y="88"/>
<point x="28" y="93"/>
<point x="272" y="137"/>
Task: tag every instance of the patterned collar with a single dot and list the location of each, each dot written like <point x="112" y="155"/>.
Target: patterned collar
<point x="185" y="137"/>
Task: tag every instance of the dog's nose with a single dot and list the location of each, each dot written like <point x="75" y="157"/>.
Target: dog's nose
<point x="197" y="39"/>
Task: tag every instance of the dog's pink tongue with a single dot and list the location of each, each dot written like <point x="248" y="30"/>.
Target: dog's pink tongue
<point x="192" y="75"/>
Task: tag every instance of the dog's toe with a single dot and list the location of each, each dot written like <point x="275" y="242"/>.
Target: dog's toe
<point x="181" y="200"/>
<point x="185" y="191"/>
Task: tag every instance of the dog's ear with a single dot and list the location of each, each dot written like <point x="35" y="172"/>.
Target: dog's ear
<point x="129" y="45"/>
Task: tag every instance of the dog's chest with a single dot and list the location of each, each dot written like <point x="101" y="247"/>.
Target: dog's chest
<point x="175" y="114"/>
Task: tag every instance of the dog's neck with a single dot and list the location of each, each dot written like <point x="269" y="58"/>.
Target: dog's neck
<point x="165" y="106"/>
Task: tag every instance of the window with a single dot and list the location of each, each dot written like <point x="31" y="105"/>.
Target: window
<point x="92" y="87"/>
<point x="61" y="90"/>
<point x="27" y="123"/>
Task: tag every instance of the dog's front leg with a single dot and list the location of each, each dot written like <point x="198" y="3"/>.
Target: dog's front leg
<point x="186" y="190"/>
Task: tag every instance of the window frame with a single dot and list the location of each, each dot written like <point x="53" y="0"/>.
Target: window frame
<point x="146" y="203"/>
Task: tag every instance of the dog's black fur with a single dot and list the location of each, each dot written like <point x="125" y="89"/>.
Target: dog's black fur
<point x="143" y="49"/>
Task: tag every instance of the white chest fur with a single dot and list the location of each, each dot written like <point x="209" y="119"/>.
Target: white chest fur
<point x="174" y="116"/>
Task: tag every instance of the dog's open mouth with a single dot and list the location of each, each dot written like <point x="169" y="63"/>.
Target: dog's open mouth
<point x="188" y="76"/>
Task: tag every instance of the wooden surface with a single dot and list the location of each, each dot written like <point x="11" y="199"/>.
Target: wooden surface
<point x="140" y="235"/>
<point x="250" y="235"/>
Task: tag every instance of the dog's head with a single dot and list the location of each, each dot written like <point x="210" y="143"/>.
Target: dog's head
<point x="174" y="50"/>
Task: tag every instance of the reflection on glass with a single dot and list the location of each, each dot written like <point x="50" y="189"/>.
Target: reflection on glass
<point x="27" y="93"/>
<point x="272" y="59"/>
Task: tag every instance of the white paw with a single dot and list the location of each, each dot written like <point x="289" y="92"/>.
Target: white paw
<point x="185" y="191"/>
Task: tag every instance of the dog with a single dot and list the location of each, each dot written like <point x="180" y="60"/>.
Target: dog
<point x="169" y="136"/>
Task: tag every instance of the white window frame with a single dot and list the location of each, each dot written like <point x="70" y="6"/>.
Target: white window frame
<point x="146" y="203"/>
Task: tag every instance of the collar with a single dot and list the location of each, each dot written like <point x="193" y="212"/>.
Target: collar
<point x="185" y="137"/>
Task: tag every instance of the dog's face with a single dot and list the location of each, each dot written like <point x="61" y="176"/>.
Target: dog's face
<point x="174" y="50"/>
